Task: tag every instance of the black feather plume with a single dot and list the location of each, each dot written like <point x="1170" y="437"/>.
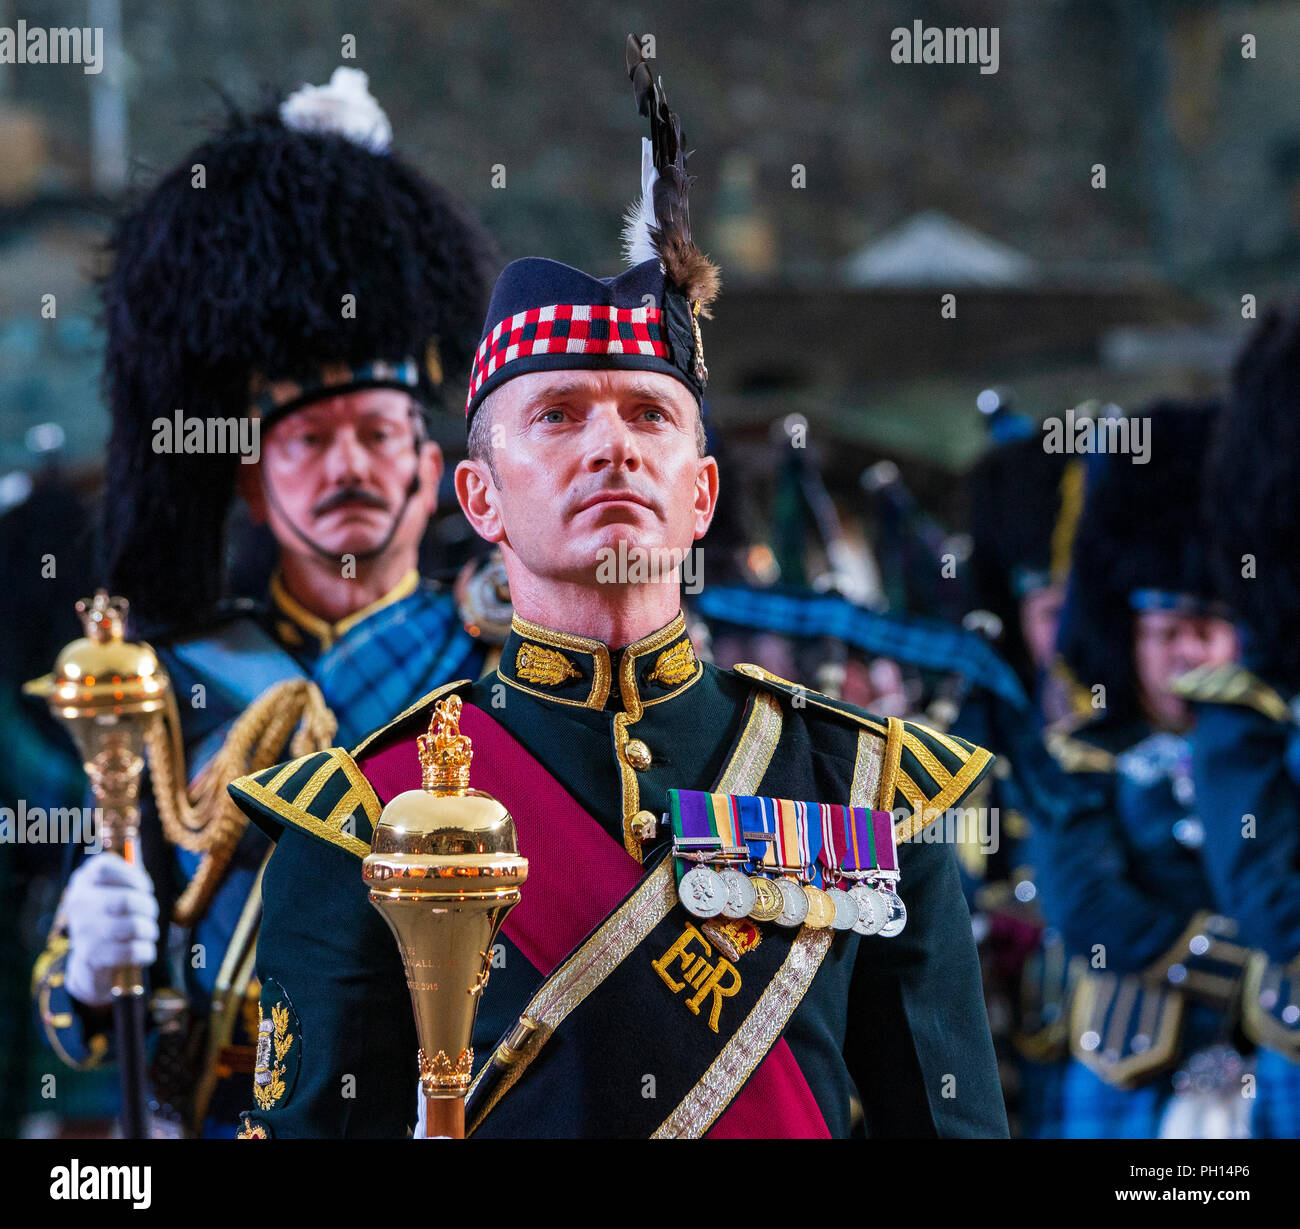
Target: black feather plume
<point x="668" y="224"/>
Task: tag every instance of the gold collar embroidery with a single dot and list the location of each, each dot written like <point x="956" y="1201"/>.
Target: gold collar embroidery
<point x="325" y="633"/>
<point x="576" y="670"/>
<point x="549" y="667"/>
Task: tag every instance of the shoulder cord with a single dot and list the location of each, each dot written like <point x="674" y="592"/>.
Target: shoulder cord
<point x="205" y="819"/>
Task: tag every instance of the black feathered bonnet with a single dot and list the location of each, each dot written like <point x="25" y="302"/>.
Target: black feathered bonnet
<point x="288" y="257"/>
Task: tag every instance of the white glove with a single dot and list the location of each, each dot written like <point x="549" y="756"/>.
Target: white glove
<point x="112" y="919"/>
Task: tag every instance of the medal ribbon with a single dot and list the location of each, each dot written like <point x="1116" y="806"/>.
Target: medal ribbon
<point x="693" y="819"/>
<point x="858" y="839"/>
<point x="807" y="834"/>
<point x="757" y="815"/>
<point x="726" y="819"/>
<point x="788" y="851"/>
<point x="886" y="851"/>
<point x="830" y="857"/>
<point x="813" y="839"/>
<point x="799" y="841"/>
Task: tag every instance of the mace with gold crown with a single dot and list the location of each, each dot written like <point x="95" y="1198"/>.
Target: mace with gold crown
<point x="106" y="691"/>
<point x="444" y="870"/>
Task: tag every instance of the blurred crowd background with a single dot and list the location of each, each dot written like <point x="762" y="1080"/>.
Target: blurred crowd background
<point x="1106" y="208"/>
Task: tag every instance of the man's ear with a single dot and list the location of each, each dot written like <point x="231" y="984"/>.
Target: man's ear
<point x="479" y="500"/>
<point x="706" y="495"/>
<point x="430" y="469"/>
<point x="248" y="482"/>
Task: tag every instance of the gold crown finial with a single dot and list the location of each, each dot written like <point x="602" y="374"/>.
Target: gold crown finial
<point x="444" y="751"/>
<point x="103" y="617"/>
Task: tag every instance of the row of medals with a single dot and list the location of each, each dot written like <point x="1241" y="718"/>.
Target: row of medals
<point x="867" y="908"/>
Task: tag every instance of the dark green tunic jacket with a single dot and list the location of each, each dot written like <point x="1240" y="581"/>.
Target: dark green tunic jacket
<point x="892" y="1036"/>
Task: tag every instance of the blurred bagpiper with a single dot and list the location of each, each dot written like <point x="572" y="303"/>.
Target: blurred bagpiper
<point x="1153" y="1022"/>
<point x="726" y="929"/>
<point x="1246" y="761"/>
<point x="1024" y="507"/>
<point x="811" y="605"/>
<point x="297" y="288"/>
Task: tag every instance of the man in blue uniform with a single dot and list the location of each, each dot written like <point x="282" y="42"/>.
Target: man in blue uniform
<point x="1155" y="1007"/>
<point x="629" y="1015"/>
<point x="1247" y="752"/>
<point x="292" y="276"/>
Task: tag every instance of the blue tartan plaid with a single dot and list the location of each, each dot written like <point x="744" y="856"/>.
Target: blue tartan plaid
<point x="392" y="658"/>
<point x="1094" y="1109"/>
<point x="1276" y="1114"/>
<point x="929" y="644"/>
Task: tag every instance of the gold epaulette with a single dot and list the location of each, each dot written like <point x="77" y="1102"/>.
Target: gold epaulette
<point x="1232" y="684"/>
<point x="935" y="772"/>
<point x="323" y="794"/>
<point x="1074" y="754"/>
<point x="921" y="768"/>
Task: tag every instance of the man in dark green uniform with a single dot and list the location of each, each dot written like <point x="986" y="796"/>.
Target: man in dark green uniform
<point x="634" y="1008"/>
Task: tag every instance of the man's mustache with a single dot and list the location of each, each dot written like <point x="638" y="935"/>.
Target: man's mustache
<point x="349" y="495"/>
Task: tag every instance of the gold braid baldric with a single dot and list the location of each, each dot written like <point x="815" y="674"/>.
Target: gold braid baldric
<point x="205" y="819"/>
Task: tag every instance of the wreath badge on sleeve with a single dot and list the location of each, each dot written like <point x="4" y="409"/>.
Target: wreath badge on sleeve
<point x="279" y="1047"/>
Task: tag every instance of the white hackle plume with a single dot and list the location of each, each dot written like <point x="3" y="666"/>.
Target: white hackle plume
<point x="638" y="246"/>
<point x="345" y="106"/>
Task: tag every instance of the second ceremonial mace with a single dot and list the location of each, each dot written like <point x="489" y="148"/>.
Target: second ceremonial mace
<point x="106" y="690"/>
<point x="444" y="870"/>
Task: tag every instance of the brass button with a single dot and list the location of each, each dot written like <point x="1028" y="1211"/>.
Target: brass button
<point x="644" y="825"/>
<point x="638" y="755"/>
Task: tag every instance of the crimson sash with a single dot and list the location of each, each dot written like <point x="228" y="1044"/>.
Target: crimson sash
<point x="572" y="859"/>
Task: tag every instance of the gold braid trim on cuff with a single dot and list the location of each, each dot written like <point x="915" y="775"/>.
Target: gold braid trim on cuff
<point x="204" y="819"/>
